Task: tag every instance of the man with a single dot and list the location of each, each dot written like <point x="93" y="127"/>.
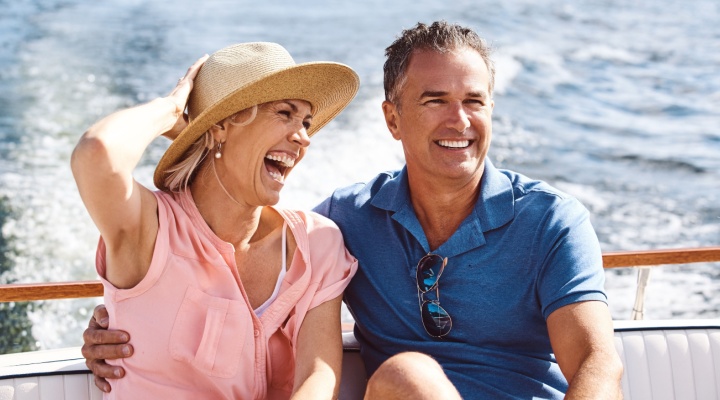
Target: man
<point x="472" y="281"/>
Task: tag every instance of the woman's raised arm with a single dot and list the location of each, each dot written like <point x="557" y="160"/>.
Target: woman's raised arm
<point x="124" y="211"/>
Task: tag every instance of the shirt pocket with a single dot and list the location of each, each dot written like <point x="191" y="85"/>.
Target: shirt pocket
<point x="209" y="333"/>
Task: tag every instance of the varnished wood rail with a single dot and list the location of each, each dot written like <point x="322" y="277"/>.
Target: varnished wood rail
<point x="622" y="259"/>
<point x="660" y="257"/>
<point x="50" y="291"/>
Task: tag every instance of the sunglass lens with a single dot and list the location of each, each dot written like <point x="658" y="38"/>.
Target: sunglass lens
<point x="428" y="272"/>
<point x="436" y="320"/>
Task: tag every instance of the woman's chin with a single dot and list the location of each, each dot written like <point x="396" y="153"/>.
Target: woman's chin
<point x="270" y="199"/>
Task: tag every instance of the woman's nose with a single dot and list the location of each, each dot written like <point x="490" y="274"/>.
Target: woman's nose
<point x="301" y="137"/>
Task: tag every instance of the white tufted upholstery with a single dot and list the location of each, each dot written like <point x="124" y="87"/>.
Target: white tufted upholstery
<point x="680" y="361"/>
<point x="663" y="360"/>
<point x="46" y="375"/>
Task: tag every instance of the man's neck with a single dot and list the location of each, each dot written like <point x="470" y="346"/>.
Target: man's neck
<point x="441" y="206"/>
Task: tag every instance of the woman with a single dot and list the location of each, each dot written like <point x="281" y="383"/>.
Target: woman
<point x="219" y="290"/>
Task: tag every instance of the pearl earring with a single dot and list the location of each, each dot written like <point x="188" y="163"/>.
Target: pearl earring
<point x="218" y="154"/>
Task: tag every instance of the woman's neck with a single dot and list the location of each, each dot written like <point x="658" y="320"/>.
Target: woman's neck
<point x="231" y="219"/>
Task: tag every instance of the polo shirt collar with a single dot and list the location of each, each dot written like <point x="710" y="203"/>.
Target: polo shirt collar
<point x="494" y="208"/>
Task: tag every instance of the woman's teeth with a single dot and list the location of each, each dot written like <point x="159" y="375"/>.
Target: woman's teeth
<point x="284" y="160"/>
<point x="278" y="164"/>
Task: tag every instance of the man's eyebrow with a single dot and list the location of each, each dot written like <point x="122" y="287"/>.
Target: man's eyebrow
<point x="439" y="93"/>
<point x="482" y="94"/>
<point x="433" y="93"/>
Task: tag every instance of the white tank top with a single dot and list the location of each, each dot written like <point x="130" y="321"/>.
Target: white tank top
<point x="260" y="310"/>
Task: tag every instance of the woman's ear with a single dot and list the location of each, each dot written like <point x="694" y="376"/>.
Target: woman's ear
<point x="218" y="132"/>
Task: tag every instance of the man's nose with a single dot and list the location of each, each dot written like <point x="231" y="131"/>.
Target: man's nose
<point x="458" y="118"/>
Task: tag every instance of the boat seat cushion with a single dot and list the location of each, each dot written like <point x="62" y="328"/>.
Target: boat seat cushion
<point x="663" y="360"/>
<point x="681" y="360"/>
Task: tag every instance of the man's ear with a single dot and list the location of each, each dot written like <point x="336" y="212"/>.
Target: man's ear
<point x="390" y="111"/>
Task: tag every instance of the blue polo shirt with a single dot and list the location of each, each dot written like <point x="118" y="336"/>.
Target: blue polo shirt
<point x="526" y="250"/>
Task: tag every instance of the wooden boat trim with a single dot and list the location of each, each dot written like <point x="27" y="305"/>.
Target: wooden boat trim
<point x="50" y="291"/>
<point x="660" y="257"/>
<point x="623" y="259"/>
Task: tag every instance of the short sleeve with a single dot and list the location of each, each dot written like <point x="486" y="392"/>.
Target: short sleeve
<point x="333" y="265"/>
<point x="157" y="263"/>
<point x="572" y="268"/>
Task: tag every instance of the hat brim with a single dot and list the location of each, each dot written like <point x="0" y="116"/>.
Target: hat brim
<point x="328" y="87"/>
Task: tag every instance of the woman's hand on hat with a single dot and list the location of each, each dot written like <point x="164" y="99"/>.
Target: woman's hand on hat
<point x="179" y="97"/>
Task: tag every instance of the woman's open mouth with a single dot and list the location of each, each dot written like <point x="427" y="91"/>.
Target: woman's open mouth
<point x="278" y="164"/>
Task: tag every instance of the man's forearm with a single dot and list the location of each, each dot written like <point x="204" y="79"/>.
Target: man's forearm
<point x="597" y="378"/>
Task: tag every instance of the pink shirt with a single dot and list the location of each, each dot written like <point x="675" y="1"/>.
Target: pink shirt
<point x="194" y="332"/>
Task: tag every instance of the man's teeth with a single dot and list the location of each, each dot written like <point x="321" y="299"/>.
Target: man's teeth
<point x="285" y="160"/>
<point x="454" y="143"/>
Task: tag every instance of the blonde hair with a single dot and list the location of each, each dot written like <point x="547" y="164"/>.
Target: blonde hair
<point x="180" y="175"/>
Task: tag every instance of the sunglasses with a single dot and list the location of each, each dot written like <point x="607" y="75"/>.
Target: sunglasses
<point x="436" y="320"/>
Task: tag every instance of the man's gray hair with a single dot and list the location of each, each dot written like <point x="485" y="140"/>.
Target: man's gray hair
<point x="440" y="37"/>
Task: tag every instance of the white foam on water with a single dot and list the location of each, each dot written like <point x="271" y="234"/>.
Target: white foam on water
<point x="627" y="126"/>
<point x="506" y="69"/>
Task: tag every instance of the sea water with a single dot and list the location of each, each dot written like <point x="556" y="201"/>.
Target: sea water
<point x="616" y="103"/>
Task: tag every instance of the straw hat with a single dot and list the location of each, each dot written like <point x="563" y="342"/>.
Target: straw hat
<point x="246" y="74"/>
